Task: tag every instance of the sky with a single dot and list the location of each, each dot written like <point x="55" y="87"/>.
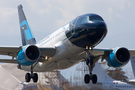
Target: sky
<point x="46" y="16"/>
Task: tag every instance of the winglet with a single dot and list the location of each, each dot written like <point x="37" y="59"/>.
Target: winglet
<point x="26" y="34"/>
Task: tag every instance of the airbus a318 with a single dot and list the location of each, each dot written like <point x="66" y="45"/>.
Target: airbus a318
<point x="72" y="43"/>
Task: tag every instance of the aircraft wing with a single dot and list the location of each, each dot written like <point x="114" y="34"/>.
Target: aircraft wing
<point x="9" y="50"/>
<point x="13" y="51"/>
<point x="100" y="51"/>
<point x="103" y="51"/>
<point x="132" y="52"/>
<point x="8" y="61"/>
<point x="49" y="52"/>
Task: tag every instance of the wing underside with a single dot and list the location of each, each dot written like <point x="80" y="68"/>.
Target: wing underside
<point x="13" y="51"/>
<point x="103" y="51"/>
<point x="48" y="51"/>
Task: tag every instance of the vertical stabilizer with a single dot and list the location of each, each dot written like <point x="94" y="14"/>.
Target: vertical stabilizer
<point x="26" y="34"/>
<point x="101" y="73"/>
<point x="133" y="64"/>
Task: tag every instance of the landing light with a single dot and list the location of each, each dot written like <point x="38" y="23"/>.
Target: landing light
<point x="46" y="57"/>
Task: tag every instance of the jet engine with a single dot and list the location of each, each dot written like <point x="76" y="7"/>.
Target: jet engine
<point x="28" y="55"/>
<point x="118" y="57"/>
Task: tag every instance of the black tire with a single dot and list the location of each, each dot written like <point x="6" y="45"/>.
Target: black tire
<point x="87" y="78"/>
<point x="35" y="77"/>
<point x="27" y="77"/>
<point x="94" y="78"/>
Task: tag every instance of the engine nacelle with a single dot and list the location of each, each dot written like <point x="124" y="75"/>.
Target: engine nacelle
<point x="118" y="57"/>
<point x="28" y="55"/>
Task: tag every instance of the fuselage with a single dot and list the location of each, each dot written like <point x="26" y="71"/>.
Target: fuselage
<point x="113" y="85"/>
<point x="85" y="30"/>
<point x="71" y="40"/>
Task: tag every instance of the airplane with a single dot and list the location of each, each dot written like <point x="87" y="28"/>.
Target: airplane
<point x="132" y="82"/>
<point x="105" y="82"/>
<point x="67" y="46"/>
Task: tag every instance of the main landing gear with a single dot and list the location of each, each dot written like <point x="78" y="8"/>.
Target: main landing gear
<point x="31" y="75"/>
<point x="89" y="63"/>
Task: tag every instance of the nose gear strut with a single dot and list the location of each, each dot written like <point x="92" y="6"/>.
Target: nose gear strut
<point x="89" y="63"/>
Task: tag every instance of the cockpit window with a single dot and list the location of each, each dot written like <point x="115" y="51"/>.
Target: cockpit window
<point x="95" y="18"/>
<point x="86" y="19"/>
<point x="82" y="20"/>
<point x="73" y="22"/>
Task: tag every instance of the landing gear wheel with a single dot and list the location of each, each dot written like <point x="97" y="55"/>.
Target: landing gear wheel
<point x="87" y="78"/>
<point x="27" y="77"/>
<point x="35" y="77"/>
<point x="94" y="78"/>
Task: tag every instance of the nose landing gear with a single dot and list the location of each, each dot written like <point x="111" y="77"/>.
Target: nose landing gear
<point x="89" y="63"/>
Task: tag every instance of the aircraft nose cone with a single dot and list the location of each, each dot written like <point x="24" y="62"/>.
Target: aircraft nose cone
<point x="100" y="25"/>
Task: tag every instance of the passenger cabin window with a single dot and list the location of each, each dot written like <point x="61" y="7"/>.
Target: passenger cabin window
<point x="95" y="18"/>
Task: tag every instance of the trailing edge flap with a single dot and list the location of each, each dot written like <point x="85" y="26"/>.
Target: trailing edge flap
<point x="26" y="34"/>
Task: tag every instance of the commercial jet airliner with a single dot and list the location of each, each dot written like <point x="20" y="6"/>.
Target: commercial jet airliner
<point x="105" y="82"/>
<point x="132" y="82"/>
<point x="65" y="47"/>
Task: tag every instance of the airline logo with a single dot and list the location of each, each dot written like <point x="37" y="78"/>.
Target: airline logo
<point x="26" y="29"/>
<point x="115" y="82"/>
